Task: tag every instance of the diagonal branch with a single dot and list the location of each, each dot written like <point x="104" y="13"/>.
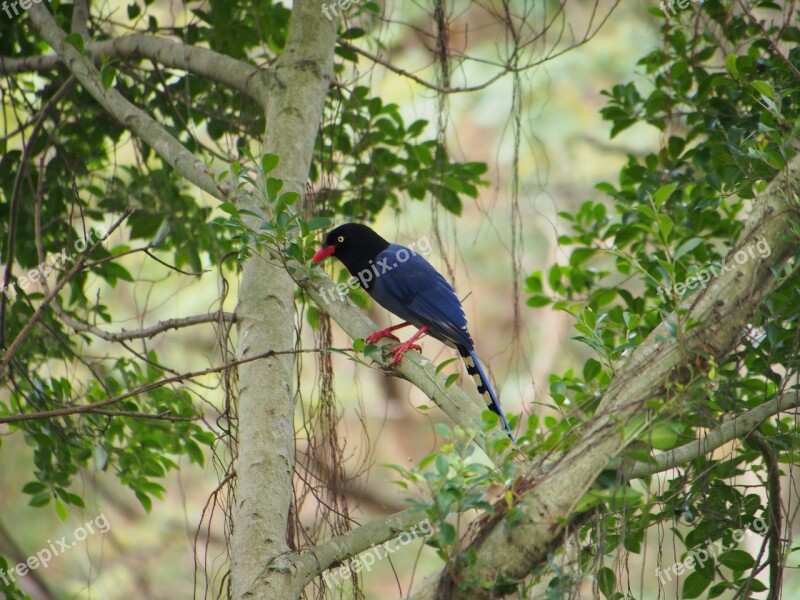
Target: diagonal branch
<point x="135" y="119"/>
<point x="170" y="53"/>
<point x="737" y="427"/>
<point x="26" y="330"/>
<point x="314" y="561"/>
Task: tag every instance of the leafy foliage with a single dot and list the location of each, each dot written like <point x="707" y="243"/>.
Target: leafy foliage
<point x="728" y="102"/>
<point x="122" y="411"/>
<point x="376" y="157"/>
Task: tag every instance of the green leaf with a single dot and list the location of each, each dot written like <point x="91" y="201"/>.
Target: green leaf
<point x="61" y="510"/>
<point x="591" y="369"/>
<point x="763" y="88"/>
<point x="451" y="379"/>
<point x="442" y="430"/>
<point x="443" y="364"/>
<point x="538" y="301"/>
<point x="70" y="498"/>
<point x="737" y="560"/>
<point x="665" y="225"/>
<point x="76" y="41"/>
<point x="289" y="197"/>
<point x="694" y="585"/>
<point x="273" y="187"/>
<point x="442" y="466"/>
<point x="447" y="534"/>
<point x="662" y="438"/>
<point x="194" y="453"/>
<point x="581" y="255"/>
<point x="663" y="193"/>
<point x="112" y="270"/>
<point x="145" y="501"/>
<point x="269" y="162"/>
<point x="229" y="208"/>
<point x="315" y="223"/>
<point x="108" y="74"/>
<point x="33" y="487"/>
<point x="606" y="581"/>
<point x="730" y="64"/>
<point x="688" y="246"/>
<point x="40" y="499"/>
<point x="353" y="33"/>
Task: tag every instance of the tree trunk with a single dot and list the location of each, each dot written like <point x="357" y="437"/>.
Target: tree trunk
<point x="296" y="86"/>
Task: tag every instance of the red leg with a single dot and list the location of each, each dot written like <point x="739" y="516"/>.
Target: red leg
<point x="409" y="344"/>
<point x="384" y="333"/>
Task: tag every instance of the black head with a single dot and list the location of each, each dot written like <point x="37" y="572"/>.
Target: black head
<point x="352" y="243"/>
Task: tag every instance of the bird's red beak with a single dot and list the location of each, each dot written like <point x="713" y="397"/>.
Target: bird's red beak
<point x="323" y="253"/>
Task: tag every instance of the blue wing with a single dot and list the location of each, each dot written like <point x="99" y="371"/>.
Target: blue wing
<point x="416" y="292"/>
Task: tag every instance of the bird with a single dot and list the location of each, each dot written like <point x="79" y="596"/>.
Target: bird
<point x="406" y="284"/>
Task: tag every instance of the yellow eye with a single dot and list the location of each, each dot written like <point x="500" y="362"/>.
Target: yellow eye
<point x="340" y="239"/>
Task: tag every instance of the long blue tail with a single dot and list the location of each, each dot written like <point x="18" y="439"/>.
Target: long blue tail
<point x="475" y="369"/>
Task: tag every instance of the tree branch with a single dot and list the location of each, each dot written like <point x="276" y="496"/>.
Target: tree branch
<point x="93" y="407"/>
<point x="80" y="18"/>
<point x="12" y="348"/>
<point x="136" y="120"/>
<point x="775" y="555"/>
<point x="218" y="67"/>
<point x="737" y="427"/>
<point x="294" y="99"/>
<point x="312" y="562"/>
<point x="146" y="332"/>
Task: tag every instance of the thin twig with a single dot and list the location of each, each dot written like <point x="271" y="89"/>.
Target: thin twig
<point x="774" y="558"/>
<point x="737" y="427"/>
<point x="66" y="88"/>
<point x="72" y="410"/>
<point x="8" y="354"/>
<point x="147" y="332"/>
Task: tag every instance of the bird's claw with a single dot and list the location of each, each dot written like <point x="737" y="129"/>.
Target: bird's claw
<point x="400" y="350"/>
<point x="379" y="335"/>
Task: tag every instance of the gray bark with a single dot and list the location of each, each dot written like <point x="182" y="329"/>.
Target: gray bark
<point x="296" y="88"/>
